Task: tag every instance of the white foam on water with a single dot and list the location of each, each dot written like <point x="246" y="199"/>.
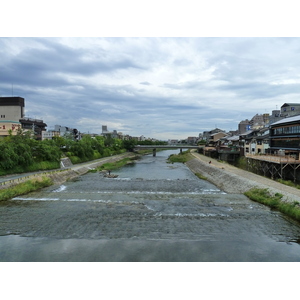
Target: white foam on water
<point x="36" y="199"/>
<point x="203" y="192"/>
<point x="148" y="207"/>
<point x="60" y="189"/>
<point x="78" y="200"/>
<point x="181" y="215"/>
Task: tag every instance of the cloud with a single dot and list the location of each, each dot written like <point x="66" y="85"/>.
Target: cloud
<point x="156" y="87"/>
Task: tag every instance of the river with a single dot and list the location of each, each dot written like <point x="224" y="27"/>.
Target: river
<point x="153" y="211"/>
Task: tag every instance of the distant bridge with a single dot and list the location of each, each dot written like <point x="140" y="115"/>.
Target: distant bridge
<point x="154" y="147"/>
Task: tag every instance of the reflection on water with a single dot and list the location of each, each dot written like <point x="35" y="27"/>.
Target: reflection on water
<point x="153" y="211"/>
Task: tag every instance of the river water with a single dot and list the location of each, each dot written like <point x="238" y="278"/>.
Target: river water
<point x="153" y="211"/>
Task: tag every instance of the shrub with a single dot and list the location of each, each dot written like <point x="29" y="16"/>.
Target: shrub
<point x="275" y="202"/>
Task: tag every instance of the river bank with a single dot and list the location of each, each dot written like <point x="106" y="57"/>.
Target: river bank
<point x="62" y="175"/>
<point x="233" y="180"/>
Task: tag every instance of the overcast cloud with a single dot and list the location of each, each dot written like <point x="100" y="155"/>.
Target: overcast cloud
<point x="157" y="87"/>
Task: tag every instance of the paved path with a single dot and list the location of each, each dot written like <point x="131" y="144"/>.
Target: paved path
<point x="235" y="180"/>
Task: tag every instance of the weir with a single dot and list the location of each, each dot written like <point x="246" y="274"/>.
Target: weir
<point x="153" y="211"/>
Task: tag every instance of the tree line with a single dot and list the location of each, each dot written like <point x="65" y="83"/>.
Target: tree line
<point x="22" y="153"/>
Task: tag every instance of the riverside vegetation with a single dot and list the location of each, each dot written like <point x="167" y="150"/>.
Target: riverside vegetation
<point x="25" y="187"/>
<point x="21" y="153"/>
<point x="274" y="201"/>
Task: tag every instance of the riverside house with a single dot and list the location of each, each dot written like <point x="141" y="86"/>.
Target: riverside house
<point x="285" y="137"/>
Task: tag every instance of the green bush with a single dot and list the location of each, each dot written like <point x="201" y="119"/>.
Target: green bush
<point x="117" y="164"/>
<point x="241" y="163"/>
<point x="180" y="158"/>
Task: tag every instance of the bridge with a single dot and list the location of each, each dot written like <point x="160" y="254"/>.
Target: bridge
<point x="154" y="147"/>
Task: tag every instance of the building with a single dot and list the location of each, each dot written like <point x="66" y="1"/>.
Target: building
<point x="104" y="129"/>
<point x="285" y="136"/>
<point x="246" y="141"/>
<point x="50" y="134"/>
<point x="215" y="137"/>
<point x="259" y="121"/>
<point x="261" y="142"/>
<point x="192" y="140"/>
<point x="255" y="141"/>
<point x="244" y="126"/>
<point x="173" y="142"/>
<point x="207" y="134"/>
<point x="114" y="134"/>
<point x="12" y="118"/>
<point x="11" y="108"/>
<point x="65" y="131"/>
<point x="290" y="109"/>
<point x="37" y="126"/>
<point x="9" y="126"/>
<point x="275" y="116"/>
<point x="11" y="111"/>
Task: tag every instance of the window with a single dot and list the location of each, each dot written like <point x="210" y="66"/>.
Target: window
<point x="292" y="108"/>
<point x="2" y="116"/>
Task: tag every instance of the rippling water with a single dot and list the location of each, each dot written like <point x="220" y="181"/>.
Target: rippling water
<point x="153" y="211"/>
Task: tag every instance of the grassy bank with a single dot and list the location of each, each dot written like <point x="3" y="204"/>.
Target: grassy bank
<point x="180" y="158"/>
<point x="289" y="183"/>
<point x="25" y="188"/>
<point x="275" y="202"/>
<point x="118" y="164"/>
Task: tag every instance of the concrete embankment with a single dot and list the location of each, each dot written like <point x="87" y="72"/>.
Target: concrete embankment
<point x="81" y="169"/>
<point x="62" y="175"/>
<point x="233" y="180"/>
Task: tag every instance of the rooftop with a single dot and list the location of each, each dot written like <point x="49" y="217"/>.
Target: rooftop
<point x="287" y="120"/>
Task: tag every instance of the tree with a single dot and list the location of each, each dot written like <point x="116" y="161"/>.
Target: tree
<point x="129" y="144"/>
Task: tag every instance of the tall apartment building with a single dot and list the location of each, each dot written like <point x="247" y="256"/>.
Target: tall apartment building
<point x="11" y="111"/>
<point x="244" y="126"/>
<point x="257" y="122"/>
<point x="12" y="118"/>
<point x="11" y="108"/>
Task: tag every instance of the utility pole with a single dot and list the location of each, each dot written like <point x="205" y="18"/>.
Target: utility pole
<point x="33" y="128"/>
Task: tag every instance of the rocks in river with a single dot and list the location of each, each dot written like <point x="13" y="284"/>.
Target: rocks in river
<point x="111" y="175"/>
<point x="108" y="174"/>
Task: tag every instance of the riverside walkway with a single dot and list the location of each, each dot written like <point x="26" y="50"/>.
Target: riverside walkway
<point x="63" y="173"/>
<point x="234" y="180"/>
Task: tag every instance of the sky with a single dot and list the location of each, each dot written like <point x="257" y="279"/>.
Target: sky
<point x="163" y="69"/>
<point x="163" y="87"/>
